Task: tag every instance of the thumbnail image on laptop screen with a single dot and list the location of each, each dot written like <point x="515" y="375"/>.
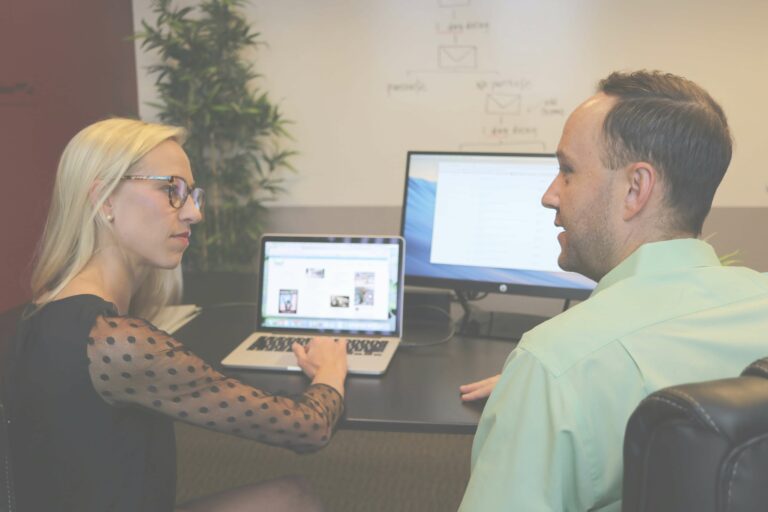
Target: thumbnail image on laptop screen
<point x="332" y="284"/>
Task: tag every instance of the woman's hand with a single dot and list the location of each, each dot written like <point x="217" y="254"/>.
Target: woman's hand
<point x="479" y="389"/>
<point x="324" y="360"/>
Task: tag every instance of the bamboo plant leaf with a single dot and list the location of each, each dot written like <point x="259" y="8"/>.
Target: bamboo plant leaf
<point x="207" y="85"/>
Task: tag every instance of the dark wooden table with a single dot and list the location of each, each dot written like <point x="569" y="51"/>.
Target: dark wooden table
<point x="418" y="393"/>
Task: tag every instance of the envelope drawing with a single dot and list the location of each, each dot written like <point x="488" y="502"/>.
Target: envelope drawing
<point x="503" y="104"/>
<point x="457" y="57"/>
<point x="452" y="3"/>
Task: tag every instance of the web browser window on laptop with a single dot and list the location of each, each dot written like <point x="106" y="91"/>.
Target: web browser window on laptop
<point x="344" y="286"/>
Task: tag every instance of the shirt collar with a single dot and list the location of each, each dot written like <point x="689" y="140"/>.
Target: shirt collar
<point x="660" y="258"/>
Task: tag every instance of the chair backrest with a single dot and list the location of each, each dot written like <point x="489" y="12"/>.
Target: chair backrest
<point x="8" y="321"/>
<point x="7" y="498"/>
<point x="700" y="447"/>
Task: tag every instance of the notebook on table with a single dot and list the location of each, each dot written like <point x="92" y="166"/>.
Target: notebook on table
<point x="338" y="286"/>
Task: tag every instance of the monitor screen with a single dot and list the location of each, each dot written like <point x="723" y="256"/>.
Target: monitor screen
<point x="474" y="221"/>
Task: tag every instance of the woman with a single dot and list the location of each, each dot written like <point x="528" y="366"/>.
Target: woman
<point x="95" y="386"/>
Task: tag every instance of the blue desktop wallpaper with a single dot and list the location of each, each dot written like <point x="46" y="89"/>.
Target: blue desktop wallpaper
<point x="419" y="220"/>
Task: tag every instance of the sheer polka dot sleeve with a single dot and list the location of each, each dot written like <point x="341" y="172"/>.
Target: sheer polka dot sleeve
<point x="132" y="362"/>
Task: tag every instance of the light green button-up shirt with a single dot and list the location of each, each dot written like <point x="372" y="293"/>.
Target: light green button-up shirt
<point x="551" y="435"/>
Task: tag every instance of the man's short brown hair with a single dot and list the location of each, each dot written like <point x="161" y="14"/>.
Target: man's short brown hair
<point x="675" y="125"/>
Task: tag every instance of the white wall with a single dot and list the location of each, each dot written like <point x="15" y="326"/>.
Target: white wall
<point x="367" y="80"/>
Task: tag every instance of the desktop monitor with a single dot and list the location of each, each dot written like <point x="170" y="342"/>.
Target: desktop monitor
<point x="474" y="222"/>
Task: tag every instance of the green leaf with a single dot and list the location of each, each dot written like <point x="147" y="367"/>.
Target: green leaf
<point x="206" y="84"/>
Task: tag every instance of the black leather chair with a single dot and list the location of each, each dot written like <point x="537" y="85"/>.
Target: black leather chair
<point x="7" y="498"/>
<point x="700" y="447"/>
<point x="8" y="322"/>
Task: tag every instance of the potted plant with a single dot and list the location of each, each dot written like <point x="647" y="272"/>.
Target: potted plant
<point x="206" y="85"/>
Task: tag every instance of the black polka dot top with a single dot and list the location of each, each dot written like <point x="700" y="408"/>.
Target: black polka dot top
<point x="95" y="396"/>
<point x="132" y="362"/>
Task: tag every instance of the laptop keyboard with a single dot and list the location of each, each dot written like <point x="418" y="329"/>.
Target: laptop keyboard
<point x="355" y="346"/>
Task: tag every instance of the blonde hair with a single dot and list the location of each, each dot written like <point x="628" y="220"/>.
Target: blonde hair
<point x="92" y="166"/>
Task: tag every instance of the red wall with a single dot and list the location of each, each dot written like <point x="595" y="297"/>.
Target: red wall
<point x="63" y="65"/>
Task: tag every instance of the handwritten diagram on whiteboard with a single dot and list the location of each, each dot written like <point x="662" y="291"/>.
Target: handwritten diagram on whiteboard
<point x="510" y="107"/>
<point x="367" y="80"/>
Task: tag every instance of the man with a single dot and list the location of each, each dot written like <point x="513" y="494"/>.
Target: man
<point x="639" y="165"/>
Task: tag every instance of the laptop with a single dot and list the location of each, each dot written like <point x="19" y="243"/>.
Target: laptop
<point x="340" y="286"/>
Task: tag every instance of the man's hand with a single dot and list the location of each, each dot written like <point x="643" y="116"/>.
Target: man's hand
<point x="324" y="360"/>
<point x="479" y="389"/>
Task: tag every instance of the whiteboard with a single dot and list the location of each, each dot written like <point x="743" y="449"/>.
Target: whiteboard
<point x="367" y="80"/>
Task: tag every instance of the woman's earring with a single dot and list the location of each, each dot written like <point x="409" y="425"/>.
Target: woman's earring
<point x="110" y="217"/>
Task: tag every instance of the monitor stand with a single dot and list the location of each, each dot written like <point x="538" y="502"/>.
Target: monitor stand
<point x="498" y="324"/>
<point x="479" y="323"/>
<point x="427" y="317"/>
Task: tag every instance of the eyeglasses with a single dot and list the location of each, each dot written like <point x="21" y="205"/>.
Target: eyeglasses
<point x="178" y="191"/>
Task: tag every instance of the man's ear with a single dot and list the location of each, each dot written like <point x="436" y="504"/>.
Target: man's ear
<point x="642" y="179"/>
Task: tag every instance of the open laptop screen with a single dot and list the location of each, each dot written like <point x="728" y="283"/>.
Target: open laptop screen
<point x="334" y="284"/>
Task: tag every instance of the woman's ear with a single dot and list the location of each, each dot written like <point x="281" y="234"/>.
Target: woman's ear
<point x="93" y="196"/>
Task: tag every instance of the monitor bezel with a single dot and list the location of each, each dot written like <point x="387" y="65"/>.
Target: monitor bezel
<point x="463" y="285"/>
